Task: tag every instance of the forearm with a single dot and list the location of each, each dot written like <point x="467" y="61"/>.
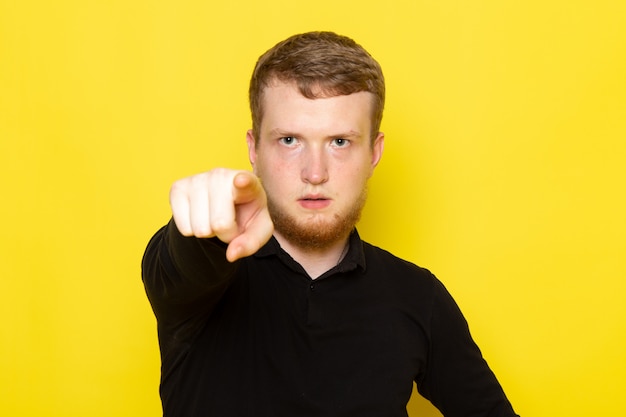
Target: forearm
<point x="183" y="275"/>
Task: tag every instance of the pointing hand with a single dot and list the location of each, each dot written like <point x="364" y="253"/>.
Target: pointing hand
<point x="228" y="204"/>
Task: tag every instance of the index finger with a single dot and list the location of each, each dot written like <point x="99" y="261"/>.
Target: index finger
<point x="246" y="187"/>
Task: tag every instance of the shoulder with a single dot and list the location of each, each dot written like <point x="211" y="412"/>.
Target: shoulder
<point x="394" y="269"/>
<point x="376" y="256"/>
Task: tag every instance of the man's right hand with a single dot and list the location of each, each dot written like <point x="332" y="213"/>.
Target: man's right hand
<point x="229" y="204"/>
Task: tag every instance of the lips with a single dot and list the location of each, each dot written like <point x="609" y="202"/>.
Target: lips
<point x="314" y="202"/>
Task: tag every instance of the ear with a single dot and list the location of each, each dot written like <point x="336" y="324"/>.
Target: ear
<point x="251" y="148"/>
<point x="377" y="149"/>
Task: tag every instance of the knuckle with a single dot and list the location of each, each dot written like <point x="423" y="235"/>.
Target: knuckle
<point x="201" y="229"/>
<point x="222" y="228"/>
<point x="176" y="190"/>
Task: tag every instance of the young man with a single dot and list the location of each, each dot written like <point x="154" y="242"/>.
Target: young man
<point x="268" y="303"/>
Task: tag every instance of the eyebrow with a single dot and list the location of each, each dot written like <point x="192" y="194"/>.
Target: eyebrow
<point x="285" y="133"/>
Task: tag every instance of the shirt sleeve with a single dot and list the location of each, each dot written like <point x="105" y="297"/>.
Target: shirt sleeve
<point x="458" y="380"/>
<point x="184" y="278"/>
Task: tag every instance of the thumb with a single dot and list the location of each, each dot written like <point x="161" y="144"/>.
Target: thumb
<point x="258" y="233"/>
<point x="254" y="223"/>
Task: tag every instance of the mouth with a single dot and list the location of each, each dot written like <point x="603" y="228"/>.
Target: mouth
<point x="314" y="202"/>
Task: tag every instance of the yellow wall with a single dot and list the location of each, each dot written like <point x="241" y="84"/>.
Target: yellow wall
<point x="504" y="173"/>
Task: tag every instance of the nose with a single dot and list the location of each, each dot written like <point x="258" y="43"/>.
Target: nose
<point x="314" y="166"/>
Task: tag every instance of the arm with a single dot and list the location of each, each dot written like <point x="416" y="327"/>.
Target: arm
<point x="184" y="276"/>
<point x="458" y="380"/>
<point x="218" y="217"/>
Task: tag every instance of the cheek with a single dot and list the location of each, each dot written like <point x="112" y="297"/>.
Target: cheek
<point x="275" y="177"/>
<point x="357" y="173"/>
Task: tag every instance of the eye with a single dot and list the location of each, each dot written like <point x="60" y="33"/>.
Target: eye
<point x="341" y="142"/>
<point x="288" y="140"/>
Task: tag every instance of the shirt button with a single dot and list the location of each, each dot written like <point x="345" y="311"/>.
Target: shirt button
<point x="312" y="286"/>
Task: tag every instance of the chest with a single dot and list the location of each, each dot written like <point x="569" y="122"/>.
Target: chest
<point x="339" y="342"/>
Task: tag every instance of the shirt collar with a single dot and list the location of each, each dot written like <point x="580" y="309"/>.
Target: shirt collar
<point x="355" y="258"/>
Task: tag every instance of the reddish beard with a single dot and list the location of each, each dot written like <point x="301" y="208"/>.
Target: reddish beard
<point x="316" y="232"/>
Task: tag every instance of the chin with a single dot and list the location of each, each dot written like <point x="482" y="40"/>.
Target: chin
<point x="315" y="233"/>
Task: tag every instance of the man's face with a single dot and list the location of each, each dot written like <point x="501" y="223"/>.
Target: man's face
<point x="314" y="158"/>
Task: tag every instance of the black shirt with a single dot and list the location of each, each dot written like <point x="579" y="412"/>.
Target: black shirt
<point x="259" y="337"/>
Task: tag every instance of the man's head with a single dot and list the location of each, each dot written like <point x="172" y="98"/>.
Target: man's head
<point x="321" y="64"/>
<point x="317" y="101"/>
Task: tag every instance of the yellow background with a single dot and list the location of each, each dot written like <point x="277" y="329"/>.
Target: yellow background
<point x="504" y="173"/>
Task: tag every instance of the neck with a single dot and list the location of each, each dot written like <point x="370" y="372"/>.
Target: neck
<point x="316" y="261"/>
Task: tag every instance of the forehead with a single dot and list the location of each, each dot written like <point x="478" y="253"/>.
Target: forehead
<point x="285" y="106"/>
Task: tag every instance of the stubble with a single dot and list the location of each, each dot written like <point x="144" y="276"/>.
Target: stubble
<point x="316" y="231"/>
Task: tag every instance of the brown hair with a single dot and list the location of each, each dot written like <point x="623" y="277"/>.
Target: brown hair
<point x="322" y="64"/>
